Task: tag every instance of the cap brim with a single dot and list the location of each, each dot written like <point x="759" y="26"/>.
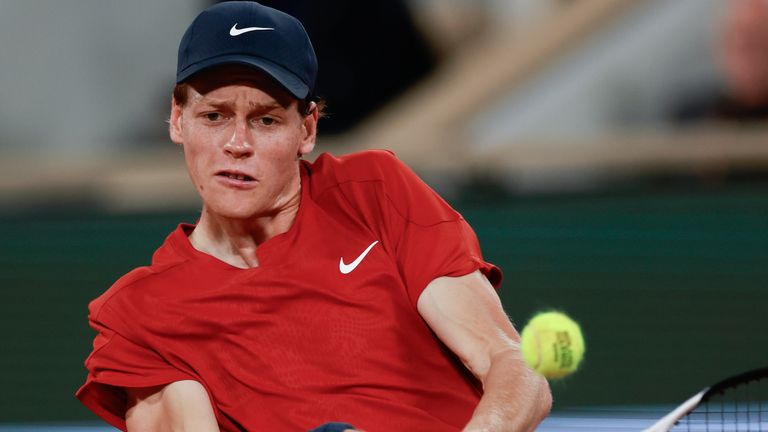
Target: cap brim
<point x="286" y="79"/>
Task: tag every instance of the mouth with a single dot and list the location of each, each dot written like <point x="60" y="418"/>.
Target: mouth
<point x="234" y="175"/>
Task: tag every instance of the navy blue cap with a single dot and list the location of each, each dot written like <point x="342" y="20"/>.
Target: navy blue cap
<point x="248" y="33"/>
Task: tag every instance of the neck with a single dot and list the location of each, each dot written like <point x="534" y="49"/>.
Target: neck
<point x="235" y="240"/>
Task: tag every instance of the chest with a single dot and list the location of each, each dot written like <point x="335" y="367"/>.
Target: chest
<point x="329" y="284"/>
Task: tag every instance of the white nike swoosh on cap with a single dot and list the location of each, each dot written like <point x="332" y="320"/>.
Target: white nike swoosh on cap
<point x="234" y="31"/>
<point x="347" y="268"/>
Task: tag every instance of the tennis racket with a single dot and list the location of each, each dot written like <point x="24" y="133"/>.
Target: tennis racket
<point x="738" y="403"/>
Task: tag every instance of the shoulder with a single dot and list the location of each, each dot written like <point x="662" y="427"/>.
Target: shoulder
<point x="378" y="176"/>
<point x="364" y="166"/>
<point x="131" y="288"/>
<point x="361" y="166"/>
<point x="143" y="282"/>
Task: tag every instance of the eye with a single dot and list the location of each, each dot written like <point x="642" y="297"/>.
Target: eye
<point x="213" y="116"/>
<point x="267" y="121"/>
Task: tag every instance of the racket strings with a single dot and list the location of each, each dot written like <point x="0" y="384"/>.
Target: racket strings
<point x="740" y="407"/>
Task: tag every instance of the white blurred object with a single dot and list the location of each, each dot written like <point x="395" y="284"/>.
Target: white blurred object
<point x="622" y="78"/>
<point x="451" y="24"/>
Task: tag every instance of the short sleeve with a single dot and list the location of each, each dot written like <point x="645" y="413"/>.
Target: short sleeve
<point x="431" y="239"/>
<point x="117" y="363"/>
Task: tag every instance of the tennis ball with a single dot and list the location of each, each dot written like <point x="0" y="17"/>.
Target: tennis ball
<point x="552" y="344"/>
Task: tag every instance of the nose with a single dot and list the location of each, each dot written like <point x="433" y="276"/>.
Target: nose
<point x="239" y="145"/>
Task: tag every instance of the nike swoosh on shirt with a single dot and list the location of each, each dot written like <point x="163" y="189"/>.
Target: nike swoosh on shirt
<point x="234" y="31"/>
<point x="347" y="268"/>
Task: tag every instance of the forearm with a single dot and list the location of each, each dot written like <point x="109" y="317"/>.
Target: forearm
<point x="466" y="314"/>
<point x="515" y="397"/>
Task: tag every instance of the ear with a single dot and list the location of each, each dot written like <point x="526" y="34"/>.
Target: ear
<point x="174" y="123"/>
<point x="309" y="129"/>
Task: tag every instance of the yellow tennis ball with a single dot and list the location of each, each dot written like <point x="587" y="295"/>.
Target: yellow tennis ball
<point x="552" y="344"/>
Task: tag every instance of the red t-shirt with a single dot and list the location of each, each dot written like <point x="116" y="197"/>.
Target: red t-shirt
<point x="297" y="342"/>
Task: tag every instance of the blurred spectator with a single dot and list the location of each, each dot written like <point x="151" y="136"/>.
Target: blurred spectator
<point x="742" y="52"/>
<point x="368" y="51"/>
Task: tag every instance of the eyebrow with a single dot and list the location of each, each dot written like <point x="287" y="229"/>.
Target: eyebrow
<point x="270" y="105"/>
<point x="253" y="105"/>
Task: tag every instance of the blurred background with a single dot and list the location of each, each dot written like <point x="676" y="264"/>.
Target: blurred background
<point x="612" y="156"/>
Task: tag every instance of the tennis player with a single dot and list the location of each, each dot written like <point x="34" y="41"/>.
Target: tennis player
<point x="343" y="290"/>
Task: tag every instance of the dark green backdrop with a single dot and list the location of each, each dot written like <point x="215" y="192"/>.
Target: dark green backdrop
<point x="670" y="286"/>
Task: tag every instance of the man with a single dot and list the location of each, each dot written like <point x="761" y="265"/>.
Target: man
<point x="343" y="289"/>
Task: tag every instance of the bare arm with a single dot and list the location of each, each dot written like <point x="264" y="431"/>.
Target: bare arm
<point x="466" y="314"/>
<point x="179" y="406"/>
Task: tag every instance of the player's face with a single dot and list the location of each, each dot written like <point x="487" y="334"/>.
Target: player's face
<point x="242" y="135"/>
